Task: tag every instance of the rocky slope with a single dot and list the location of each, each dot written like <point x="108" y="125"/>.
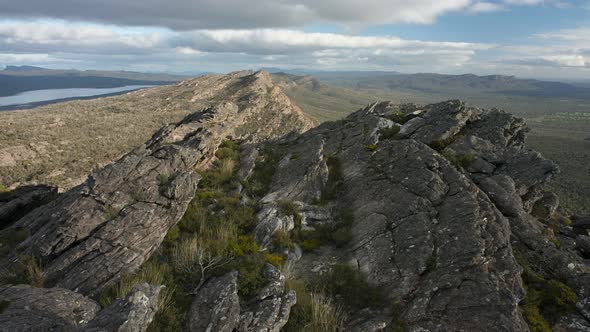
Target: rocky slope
<point x="399" y="217"/>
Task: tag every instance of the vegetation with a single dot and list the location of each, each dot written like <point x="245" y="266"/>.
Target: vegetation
<point x="459" y="160"/>
<point x="546" y="299"/>
<point x="441" y="144"/>
<point x="210" y="240"/>
<point x="313" y="312"/>
<point x="25" y="270"/>
<point x="258" y="183"/>
<point x="371" y="147"/>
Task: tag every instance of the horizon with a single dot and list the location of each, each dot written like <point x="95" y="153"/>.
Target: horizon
<point x="540" y="39"/>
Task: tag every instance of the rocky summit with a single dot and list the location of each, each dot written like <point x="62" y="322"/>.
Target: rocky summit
<point x="245" y="216"/>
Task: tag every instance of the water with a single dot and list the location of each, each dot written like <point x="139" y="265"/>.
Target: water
<point x="41" y="96"/>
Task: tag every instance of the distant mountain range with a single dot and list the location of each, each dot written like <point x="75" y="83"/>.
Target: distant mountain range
<point x="17" y="79"/>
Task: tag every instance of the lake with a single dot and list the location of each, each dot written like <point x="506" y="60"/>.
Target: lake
<point x="39" y="97"/>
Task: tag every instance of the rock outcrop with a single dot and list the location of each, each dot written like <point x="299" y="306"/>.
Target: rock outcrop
<point x="17" y="203"/>
<point x="27" y="308"/>
<point x="217" y="305"/>
<point x="441" y="205"/>
<point x="110" y="225"/>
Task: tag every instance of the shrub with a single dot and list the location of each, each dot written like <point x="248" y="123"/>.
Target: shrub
<point x="348" y="283"/>
<point x="441" y="144"/>
<point x="274" y="259"/>
<point x="280" y="240"/>
<point x="389" y="133"/>
<point x="546" y="300"/>
<point x="250" y="279"/>
<point x="245" y="245"/>
<point x="172" y="235"/>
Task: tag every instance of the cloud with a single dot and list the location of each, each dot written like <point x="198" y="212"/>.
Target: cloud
<point x="485" y="7"/>
<point x="223" y="14"/>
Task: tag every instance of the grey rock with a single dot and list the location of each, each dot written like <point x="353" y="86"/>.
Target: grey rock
<point x="269" y="310"/>
<point x="216" y="306"/>
<point x="270" y="220"/>
<point x="17" y="203"/>
<point x="546" y="206"/>
<point x="44" y="309"/>
<point x="132" y="314"/>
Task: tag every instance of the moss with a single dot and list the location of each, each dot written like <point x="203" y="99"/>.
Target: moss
<point x="389" y="133"/>
<point x="534" y="319"/>
<point x="310" y="244"/>
<point x="371" y="147"/>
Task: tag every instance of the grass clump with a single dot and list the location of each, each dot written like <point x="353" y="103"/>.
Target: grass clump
<point x="313" y="312"/>
<point x="389" y="133"/>
<point x="281" y="240"/>
<point x="441" y="144"/>
<point x="371" y="147"/>
<point x="275" y="260"/>
<point x="546" y="300"/>
<point x="110" y="212"/>
<point x="26" y="270"/>
<point x="459" y="160"/>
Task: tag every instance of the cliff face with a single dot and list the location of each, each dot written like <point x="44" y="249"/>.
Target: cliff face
<point x="418" y="218"/>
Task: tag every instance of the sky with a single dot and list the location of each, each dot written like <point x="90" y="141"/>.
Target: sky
<point x="548" y="39"/>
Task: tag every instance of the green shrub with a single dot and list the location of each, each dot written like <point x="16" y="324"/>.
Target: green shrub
<point x="250" y="279"/>
<point x="172" y="235"/>
<point x="245" y="245"/>
<point x="389" y="133"/>
<point x="546" y="300"/>
<point x="274" y="259"/>
<point x="349" y="284"/>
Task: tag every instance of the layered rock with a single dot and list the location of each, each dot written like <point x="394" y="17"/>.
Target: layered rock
<point x="111" y="224"/>
<point x="439" y="210"/>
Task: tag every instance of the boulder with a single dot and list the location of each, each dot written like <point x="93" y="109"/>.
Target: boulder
<point x="25" y="308"/>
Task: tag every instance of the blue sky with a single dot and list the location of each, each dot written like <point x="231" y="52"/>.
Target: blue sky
<point x="527" y="38"/>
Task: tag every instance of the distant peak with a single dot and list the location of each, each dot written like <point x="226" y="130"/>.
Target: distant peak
<point x="23" y="68"/>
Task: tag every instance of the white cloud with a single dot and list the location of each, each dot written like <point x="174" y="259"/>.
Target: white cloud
<point x="485" y="7"/>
